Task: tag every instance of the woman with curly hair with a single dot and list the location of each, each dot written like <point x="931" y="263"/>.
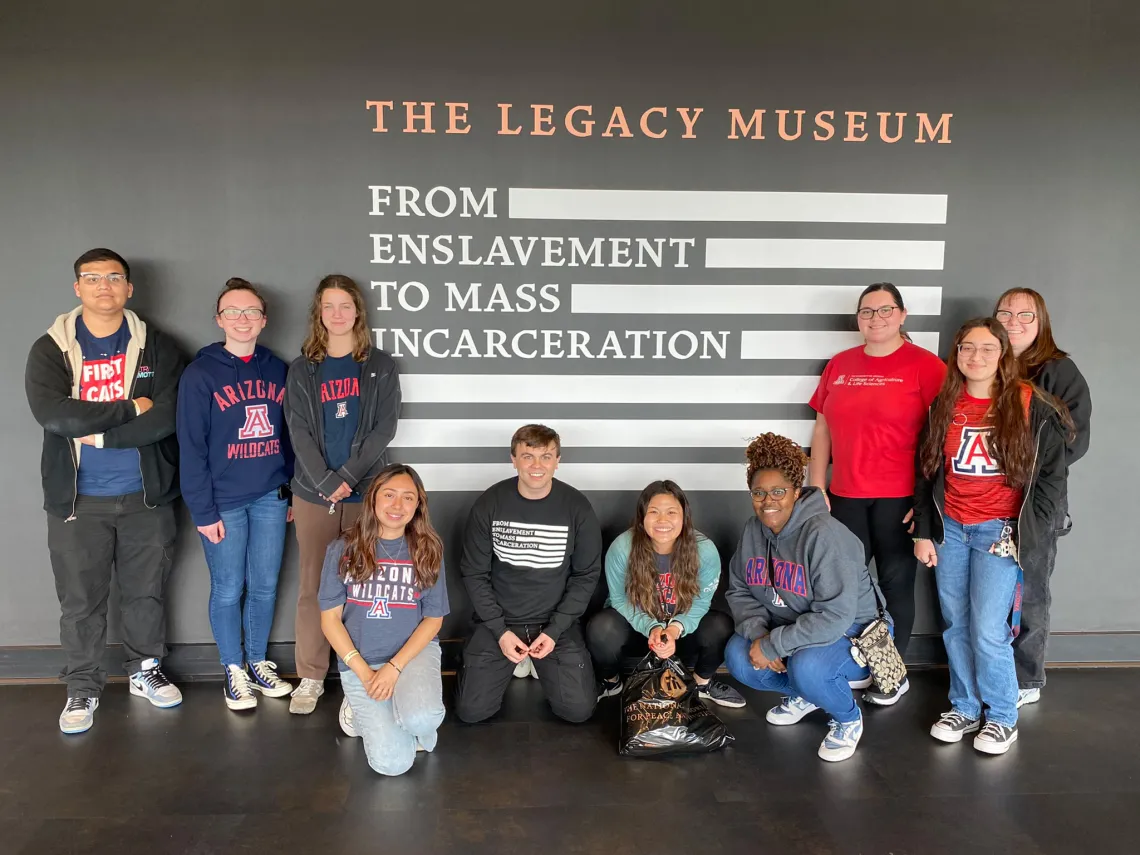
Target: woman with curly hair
<point x="992" y="472"/>
<point x="383" y="599"/>
<point x="799" y="591"/>
<point x="662" y="574"/>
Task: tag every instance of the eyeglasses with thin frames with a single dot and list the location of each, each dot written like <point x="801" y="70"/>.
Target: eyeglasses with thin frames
<point x="988" y="351"/>
<point x="234" y="314"/>
<point x="96" y="278"/>
<point x="776" y="494"/>
<point x="1005" y="317"/>
<point x="882" y="312"/>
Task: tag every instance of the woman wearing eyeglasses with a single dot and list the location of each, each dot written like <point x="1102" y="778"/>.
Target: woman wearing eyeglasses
<point x="1023" y="313"/>
<point x="799" y="591"/>
<point x="235" y="465"/>
<point x="992" y="474"/>
<point x="870" y="406"/>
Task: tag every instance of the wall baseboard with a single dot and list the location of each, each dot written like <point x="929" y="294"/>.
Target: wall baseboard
<point x="199" y="661"/>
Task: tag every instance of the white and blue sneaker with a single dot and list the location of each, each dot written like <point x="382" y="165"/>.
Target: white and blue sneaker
<point x="841" y="740"/>
<point x="238" y="689"/>
<point x="790" y="711"/>
<point x="78" y="715"/>
<point x="264" y="679"/>
<point x="526" y="668"/>
<point x="1027" y="696"/>
<point x="152" y="684"/>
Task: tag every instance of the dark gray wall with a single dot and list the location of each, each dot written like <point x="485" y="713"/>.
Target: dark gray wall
<point x="213" y="139"/>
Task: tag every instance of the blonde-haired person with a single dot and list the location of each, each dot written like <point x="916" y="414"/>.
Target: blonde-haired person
<point x="342" y="404"/>
<point x="1023" y="313"/>
<point x="383" y="599"/>
<point x="799" y="590"/>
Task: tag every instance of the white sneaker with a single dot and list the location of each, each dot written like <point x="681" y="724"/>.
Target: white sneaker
<point x="1027" y="696"/>
<point x="885" y="699"/>
<point x="238" y="690"/>
<point x="304" y="697"/>
<point x="78" y="715"/>
<point x="152" y="684"/>
<point x="347" y="719"/>
<point x="841" y="740"/>
<point x="263" y="678"/>
<point x="790" y="711"/>
<point x="526" y="669"/>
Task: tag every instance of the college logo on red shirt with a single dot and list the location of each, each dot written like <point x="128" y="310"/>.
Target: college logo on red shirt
<point x="974" y="456"/>
<point x="257" y="424"/>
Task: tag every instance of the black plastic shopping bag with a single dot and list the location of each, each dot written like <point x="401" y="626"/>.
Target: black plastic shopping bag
<point x="662" y="714"/>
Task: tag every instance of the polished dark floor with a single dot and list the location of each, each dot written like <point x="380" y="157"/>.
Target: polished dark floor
<point x="201" y="779"/>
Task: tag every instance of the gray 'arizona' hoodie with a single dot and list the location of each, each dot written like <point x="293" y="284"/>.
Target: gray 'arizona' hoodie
<point x="803" y="587"/>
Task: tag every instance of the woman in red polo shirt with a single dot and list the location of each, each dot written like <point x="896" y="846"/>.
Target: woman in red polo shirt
<point x="871" y="404"/>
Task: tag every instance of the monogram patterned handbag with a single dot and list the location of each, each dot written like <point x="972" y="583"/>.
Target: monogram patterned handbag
<point x="874" y="649"/>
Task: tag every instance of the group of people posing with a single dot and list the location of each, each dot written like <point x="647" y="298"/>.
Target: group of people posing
<point x="960" y="466"/>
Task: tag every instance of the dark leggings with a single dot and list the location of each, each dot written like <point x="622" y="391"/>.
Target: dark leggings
<point x="878" y="523"/>
<point x="610" y="639"/>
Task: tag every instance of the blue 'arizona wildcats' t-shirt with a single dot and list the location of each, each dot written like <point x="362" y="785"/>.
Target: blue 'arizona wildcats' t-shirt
<point x="105" y="471"/>
<point x="382" y="613"/>
<point x="340" y="401"/>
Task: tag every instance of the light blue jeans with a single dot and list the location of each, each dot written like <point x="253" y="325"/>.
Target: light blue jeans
<point x="247" y="561"/>
<point x="816" y="674"/>
<point x="391" y="728"/>
<point x="976" y="590"/>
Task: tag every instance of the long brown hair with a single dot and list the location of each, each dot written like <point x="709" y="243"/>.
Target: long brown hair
<point x="316" y="345"/>
<point x="1044" y="348"/>
<point x="685" y="563"/>
<point x="424" y="544"/>
<point x="1010" y="438"/>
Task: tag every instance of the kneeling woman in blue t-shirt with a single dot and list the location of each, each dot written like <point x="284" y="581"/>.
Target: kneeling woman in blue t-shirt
<point x="383" y="598"/>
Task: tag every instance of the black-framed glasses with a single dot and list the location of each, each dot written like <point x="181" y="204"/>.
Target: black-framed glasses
<point x="234" y="314"/>
<point x="96" y="278"/>
<point x="776" y="494"/>
<point x="1005" y="317"/>
<point x="988" y="351"/>
<point x="882" y="312"/>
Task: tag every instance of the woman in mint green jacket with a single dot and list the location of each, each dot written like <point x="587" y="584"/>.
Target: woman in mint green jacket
<point x="662" y="574"/>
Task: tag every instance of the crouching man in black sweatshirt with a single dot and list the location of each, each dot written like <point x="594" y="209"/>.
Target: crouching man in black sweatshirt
<point x="532" y="558"/>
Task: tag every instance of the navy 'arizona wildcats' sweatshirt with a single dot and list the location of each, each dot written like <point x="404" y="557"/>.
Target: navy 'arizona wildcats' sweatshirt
<point x="231" y="431"/>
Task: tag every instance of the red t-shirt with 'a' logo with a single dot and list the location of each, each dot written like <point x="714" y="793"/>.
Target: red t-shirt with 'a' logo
<point x="976" y="489"/>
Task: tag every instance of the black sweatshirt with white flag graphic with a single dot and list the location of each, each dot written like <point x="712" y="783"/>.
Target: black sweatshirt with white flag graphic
<point x="531" y="561"/>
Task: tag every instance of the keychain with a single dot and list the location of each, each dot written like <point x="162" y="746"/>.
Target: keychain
<point x="1005" y="547"/>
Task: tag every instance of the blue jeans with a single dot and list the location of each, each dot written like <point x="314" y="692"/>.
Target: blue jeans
<point x="816" y="674"/>
<point x="975" y="591"/>
<point x="248" y="560"/>
<point x="391" y="728"/>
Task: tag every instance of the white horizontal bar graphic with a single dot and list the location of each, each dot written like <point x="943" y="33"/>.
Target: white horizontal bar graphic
<point x="813" y="344"/>
<point x="720" y="206"/>
<point x="606" y="389"/>
<point x="598" y="433"/>
<point x="737" y="299"/>
<point x="476" y="477"/>
<point x="807" y="253"/>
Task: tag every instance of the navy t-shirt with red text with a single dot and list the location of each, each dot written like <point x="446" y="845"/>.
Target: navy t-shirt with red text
<point x="105" y="471"/>
<point x="340" y="402"/>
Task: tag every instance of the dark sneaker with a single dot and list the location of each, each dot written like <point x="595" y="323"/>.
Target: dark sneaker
<point x="995" y="738"/>
<point x="237" y="691"/>
<point x="1027" y="696"/>
<point x="78" y="715"/>
<point x="609" y="688"/>
<point x="720" y="693"/>
<point x="953" y="726"/>
<point x="263" y="677"/>
<point x="887" y="699"/>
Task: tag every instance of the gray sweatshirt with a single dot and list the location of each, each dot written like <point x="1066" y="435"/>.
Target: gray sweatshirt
<point x="803" y="587"/>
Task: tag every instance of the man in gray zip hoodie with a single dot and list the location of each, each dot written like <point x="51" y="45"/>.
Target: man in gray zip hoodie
<point x="798" y="590"/>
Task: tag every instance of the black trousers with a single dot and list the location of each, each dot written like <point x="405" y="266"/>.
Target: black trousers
<point x="1036" y="599"/>
<point x="118" y="531"/>
<point x="611" y="639"/>
<point x="878" y="523"/>
<point x="565" y="674"/>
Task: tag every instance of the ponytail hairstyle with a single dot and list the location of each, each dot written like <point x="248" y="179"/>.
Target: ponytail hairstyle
<point x="424" y="544"/>
<point x="316" y="345"/>
<point x="895" y="294"/>
<point x="641" y="571"/>
<point x="1044" y="349"/>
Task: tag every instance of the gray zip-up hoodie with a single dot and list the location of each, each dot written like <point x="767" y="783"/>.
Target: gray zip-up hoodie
<point x="803" y="587"/>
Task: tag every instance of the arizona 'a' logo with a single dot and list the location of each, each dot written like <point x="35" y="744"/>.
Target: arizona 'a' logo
<point x="973" y="456"/>
<point x="379" y="608"/>
<point x="840" y="380"/>
<point x="777" y="600"/>
<point x="342" y="409"/>
<point x="257" y="424"/>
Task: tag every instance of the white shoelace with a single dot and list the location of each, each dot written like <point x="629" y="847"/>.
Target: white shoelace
<point x="993" y="730"/>
<point x="267" y="671"/>
<point x="239" y="683"/>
